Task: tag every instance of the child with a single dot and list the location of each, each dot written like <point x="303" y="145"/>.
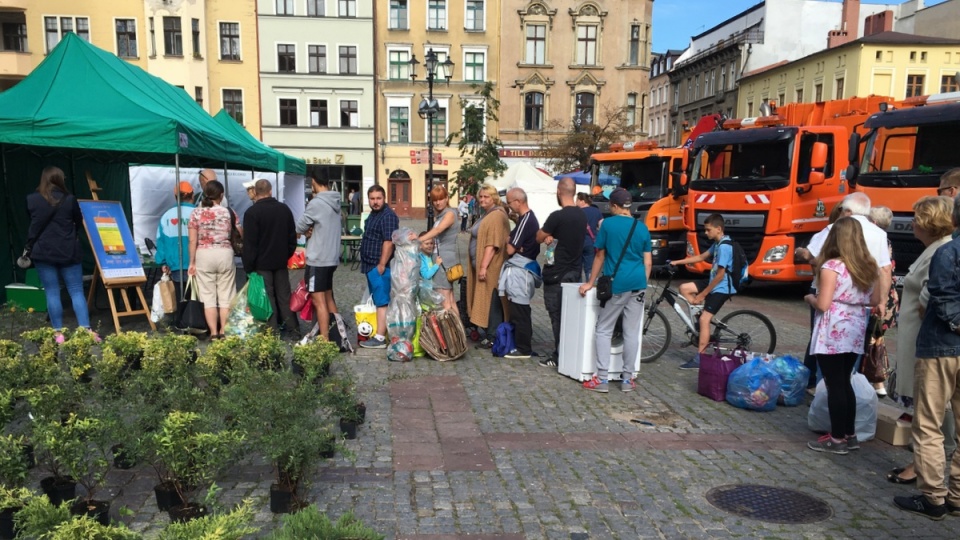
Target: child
<point x="847" y="282"/>
<point x="428" y="266"/>
<point x="712" y="293"/>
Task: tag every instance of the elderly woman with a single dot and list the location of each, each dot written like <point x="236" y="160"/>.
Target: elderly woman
<point x="933" y="226"/>
<point x="488" y="240"/>
<point x="211" y="256"/>
<point x="881" y="216"/>
<point x="444" y="234"/>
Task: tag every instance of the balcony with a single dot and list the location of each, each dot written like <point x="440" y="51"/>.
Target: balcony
<point x="15" y="65"/>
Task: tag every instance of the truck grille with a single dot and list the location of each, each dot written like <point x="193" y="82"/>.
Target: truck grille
<point x="749" y="239"/>
<point x="906" y="249"/>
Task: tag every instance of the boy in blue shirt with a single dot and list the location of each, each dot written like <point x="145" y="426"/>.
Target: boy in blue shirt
<point x="710" y="293"/>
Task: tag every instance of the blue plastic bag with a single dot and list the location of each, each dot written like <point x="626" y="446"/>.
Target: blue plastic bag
<point x="754" y="385"/>
<point x="503" y="342"/>
<point x="794" y="377"/>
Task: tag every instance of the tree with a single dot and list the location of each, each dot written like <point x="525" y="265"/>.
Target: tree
<point x="573" y="150"/>
<point x="473" y="140"/>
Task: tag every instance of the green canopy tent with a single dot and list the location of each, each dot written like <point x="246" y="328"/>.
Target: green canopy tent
<point x="83" y="109"/>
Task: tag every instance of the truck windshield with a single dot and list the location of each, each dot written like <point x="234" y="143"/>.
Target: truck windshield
<point x="912" y="156"/>
<point x="758" y="165"/>
<point x="645" y="179"/>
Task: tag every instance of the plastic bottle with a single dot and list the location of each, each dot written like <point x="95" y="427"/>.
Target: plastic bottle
<point x="549" y="254"/>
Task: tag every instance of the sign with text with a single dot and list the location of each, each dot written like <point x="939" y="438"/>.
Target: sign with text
<point x="418" y="157"/>
<point x="111" y="240"/>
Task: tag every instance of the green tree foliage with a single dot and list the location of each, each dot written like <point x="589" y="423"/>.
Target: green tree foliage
<point x="573" y="150"/>
<point x="474" y="140"/>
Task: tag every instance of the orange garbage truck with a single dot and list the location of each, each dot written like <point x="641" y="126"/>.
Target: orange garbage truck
<point x="775" y="179"/>
<point x="905" y="150"/>
<point x="652" y="175"/>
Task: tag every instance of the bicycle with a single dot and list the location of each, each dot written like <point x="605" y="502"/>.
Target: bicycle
<point x="744" y="328"/>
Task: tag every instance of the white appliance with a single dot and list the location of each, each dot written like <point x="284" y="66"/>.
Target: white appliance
<point x="578" y="323"/>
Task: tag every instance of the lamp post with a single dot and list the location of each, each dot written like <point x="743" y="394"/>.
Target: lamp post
<point x="428" y="109"/>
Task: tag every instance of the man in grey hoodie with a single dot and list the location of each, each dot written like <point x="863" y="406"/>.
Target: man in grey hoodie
<point x="321" y="219"/>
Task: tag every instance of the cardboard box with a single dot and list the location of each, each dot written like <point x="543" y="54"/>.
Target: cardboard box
<point x="26" y="296"/>
<point x="893" y="425"/>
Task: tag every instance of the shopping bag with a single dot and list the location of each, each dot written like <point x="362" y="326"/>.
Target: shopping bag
<point x="794" y="377"/>
<point x="306" y="312"/>
<point x="715" y="370"/>
<point x="168" y="294"/>
<point x="366" y="315"/>
<point x="865" y="423"/>
<point x="297" y="261"/>
<point x="156" y="306"/>
<point x="257" y="300"/>
<point x="754" y="385"/>
<point x="191" y="308"/>
<point x="240" y="321"/>
<point x="299" y="297"/>
<point x="417" y="348"/>
<point x="876" y="364"/>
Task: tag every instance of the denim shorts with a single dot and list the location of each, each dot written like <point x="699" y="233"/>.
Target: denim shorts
<point x="379" y="286"/>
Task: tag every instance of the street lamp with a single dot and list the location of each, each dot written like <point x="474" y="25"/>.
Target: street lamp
<point x="428" y="109"/>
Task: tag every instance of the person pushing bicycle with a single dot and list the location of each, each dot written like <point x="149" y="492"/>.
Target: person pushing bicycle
<point x="711" y="293"/>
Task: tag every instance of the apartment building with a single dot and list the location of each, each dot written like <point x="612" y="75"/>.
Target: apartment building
<point x="660" y="128"/>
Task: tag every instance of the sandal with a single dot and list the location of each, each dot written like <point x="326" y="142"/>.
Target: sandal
<point x="894" y="477"/>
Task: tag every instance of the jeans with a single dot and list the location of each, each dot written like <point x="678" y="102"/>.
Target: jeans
<point x="841" y="400"/>
<point x="553" y="302"/>
<point x="72" y="274"/>
<point x="277" y="285"/>
<point x="522" y="327"/>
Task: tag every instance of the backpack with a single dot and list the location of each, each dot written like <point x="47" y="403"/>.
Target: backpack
<point x="740" y="273"/>
<point x="338" y="333"/>
<point x="503" y="343"/>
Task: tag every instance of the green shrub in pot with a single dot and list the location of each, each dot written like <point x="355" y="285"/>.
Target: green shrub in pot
<point x="75" y="449"/>
<point x="311" y="523"/>
<point x="232" y="525"/>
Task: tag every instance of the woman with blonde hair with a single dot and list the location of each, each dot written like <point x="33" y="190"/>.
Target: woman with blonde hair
<point x="211" y="256"/>
<point x="881" y="216"/>
<point x="444" y="232"/>
<point x="488" y="241"/>
<point x="847" y="278"/>
<point x="933" y="226"/>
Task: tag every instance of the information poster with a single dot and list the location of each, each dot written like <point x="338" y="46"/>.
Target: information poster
<point x="111" y="240"/>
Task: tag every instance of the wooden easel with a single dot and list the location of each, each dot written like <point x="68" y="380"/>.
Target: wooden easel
<point x="122" y="285"/>
<point x="94" y="187"/>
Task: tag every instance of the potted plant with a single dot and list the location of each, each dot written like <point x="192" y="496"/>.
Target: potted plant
<point x="311" y="523"/>
<point x="167" y="379"/>
<point x="75" y="452"/>
<point x="339" y="396"/>
<point x="313" y="360"/>
<point x="328" y="444"/>
<point x="78" y="354"/>
<point x="194" y="454"/>
<point x="266" y="351"/>
<point x="228" y="526"/>
<point x="39" y="516"/>
<point x="121" y="354"/>
<point x="222" y="358"/>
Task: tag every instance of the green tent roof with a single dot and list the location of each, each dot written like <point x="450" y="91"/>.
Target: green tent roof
<point x="285" y="163"/>
<point x="82" y="97"/>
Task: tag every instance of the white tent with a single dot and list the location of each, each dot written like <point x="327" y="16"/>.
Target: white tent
<point x="541" y="189"/>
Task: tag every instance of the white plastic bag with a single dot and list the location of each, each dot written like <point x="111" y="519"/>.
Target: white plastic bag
<point x="156" y="307"/>
<point x="865" y="426"/>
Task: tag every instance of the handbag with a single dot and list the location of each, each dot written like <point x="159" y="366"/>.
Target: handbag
<point x="455" y="272"/>
<point x="299" y="297"/>
<point x="605" y="283"/>
<point x="24" y="261"/>
<point x="191" y="308"/>
<point x="715" y="370"/>
<point x="876" y="364"/>
<point x="236" y="239"/>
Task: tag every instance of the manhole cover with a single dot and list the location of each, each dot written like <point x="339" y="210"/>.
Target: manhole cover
<point x="771" y="504"/>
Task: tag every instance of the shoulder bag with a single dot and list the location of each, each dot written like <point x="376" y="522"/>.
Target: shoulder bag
<point x="605" y="283"/>
<point x="236" y="240"/>
<point x="455" y="272"/>
<point x="23" y="261"/>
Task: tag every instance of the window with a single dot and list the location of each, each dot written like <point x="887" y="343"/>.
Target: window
<point x="536" y="44"/>
<point x="233" y="104"/>
<point x="347" y="8"/>
<point x="126" y="37"/>
<point x="584" y="111"/>
<point x="440" y="124"/>
<point x="923" y="56"/>
<point x="398" y="14"/>
<point x="287" y="58"/>
<point x="732" y="80"/>
<point x="348" y="60"/>
<point x="399" y="69"/>
<point x="318" y="113"/>
<point x="878" y="56"/>
<point x="172" y="37"/>
<point x="284" y="7"/>
<point x="948" y="84"/>
<point x="288" y="112"/>
<point x="533" y="111"/>
<point x="634" y="45"/>
<point x="474" y="19"/>
<point x="55" y="28"/>
<point x="914" y="85"/>
<point x="723" y="78"/>
<point x="818" y="92"/>
<point x="749" y="109"/>
<point x="198" y="95"/>
<point x="781" y="99"/>
<point x="153" y="39"/>
<point x="473" y="66"/>
<point x="349" y="116"/>
<point x="839" y="93"/>
<point x="631" y="109"/>
<point x="437" y="15"/>
<point x="799" y="98"/>
<point x="317" y="59"/>
<point x="586" y="45"/>
<point x="315" y="8"/>
<point x="195" y="27"/>
<point x="400" y="124"/>
<point x="15" y="37"/>
<point x="230" y="41"/>
<point x="473" y="123"/>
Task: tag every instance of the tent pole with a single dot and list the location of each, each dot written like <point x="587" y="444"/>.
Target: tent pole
<point x="226" y="184"/>
<point x="176" y="191"/>
<point x="13" y="252"/>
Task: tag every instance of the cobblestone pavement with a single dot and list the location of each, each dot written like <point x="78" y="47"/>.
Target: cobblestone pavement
<point x="487" y="448"/>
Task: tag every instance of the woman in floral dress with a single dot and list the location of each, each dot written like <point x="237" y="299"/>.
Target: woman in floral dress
<point x="847" y="276"/>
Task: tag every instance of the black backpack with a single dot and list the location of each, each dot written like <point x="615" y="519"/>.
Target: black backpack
<point x="740" y="273"/>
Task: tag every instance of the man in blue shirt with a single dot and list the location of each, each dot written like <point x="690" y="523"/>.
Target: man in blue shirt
<point x="376" y="250"/>
<point x="173" y="243"/>
<point x="712" y="293"/>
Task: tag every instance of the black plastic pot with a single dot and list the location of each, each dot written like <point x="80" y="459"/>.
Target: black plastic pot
<point x="59" y="490"/>
<point x="348" y="428"/>
<point x="98" y="510"/>
<point x="283" y="500"/>
<point x="7" y="530"/>
<point x="186" y="512"/>
<point x="361" y="413"/>
<point x="121" y="459"/>
<point x="29" y="455"/>
<point x="133" y="361"/>
<point x="328" y="452"/>
<point x="167" y="496"/>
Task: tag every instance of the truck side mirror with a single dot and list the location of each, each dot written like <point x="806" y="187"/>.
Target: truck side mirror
<point x="853" y="157"/>
<point x="678" y="186"/>
<point x="818" y="156"/>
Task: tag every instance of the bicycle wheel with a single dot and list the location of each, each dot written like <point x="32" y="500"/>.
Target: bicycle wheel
<point x="656" y="336"/>
<point x="750" y="330"/>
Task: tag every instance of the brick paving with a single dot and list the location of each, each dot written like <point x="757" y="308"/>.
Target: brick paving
<point x="492" y="449"/>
